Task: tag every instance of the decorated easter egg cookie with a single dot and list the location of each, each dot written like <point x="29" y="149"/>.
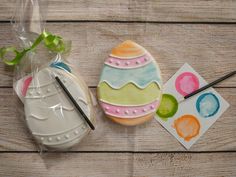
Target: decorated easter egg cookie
<point x="50" y="115"/>
<point x="130" y="85"/>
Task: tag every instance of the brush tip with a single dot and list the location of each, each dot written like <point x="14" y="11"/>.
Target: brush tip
<point x="181" y="100"/>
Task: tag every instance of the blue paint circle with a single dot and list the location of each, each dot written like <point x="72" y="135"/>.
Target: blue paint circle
<point x="207" y="105"/>
<point x="61" y="65"/>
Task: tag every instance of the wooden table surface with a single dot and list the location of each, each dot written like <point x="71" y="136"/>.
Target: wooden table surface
<point x="200" y="32"/>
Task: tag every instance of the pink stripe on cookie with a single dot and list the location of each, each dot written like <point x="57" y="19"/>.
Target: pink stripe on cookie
<point x="128" y="63"/>
<point x="129" y="111"/>
<point x="26" y="84"/>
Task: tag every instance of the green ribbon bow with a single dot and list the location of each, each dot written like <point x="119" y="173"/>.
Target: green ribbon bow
<point x="52" y="42"/>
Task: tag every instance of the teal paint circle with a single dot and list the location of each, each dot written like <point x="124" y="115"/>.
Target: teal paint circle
<point x="207" y="105"/>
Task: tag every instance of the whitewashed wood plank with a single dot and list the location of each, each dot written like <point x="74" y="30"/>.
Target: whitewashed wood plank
<point x="109" y="136"/>
<point x="64" y="164"/>
<point x="138" y="10"/>
<point x="118" y="164"/>
<point x="185" y="165"/>
<point x="210" y="49"/>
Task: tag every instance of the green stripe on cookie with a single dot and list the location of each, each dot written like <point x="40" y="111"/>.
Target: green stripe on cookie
<point x="129" y="94"/>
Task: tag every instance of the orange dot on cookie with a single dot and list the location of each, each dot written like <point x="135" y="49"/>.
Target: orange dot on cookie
<point x="187" y="127"/>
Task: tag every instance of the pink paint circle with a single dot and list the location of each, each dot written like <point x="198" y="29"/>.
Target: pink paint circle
<point x="186" y="83"/>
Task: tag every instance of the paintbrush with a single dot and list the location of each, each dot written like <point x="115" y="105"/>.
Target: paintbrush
<point x="207" y="86"/>
<point x="75" y="103"/>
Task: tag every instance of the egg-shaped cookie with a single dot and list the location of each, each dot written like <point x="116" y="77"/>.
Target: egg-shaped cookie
<point x="50" y="115"/>
<point x="130" y="86"/>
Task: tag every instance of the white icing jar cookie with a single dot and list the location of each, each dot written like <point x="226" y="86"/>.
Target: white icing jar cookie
<point x="130" y="86"/>
<point x="51" y="117"/>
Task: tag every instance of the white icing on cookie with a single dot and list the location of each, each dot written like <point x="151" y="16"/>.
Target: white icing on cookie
<point x="50" y="115"/>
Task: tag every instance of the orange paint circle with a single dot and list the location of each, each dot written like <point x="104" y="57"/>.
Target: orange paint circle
<point x="187" y="127"/>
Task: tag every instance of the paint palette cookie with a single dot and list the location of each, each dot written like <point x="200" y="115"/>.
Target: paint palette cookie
<point x="50" y="115"/>
<point x="130" y="86"/>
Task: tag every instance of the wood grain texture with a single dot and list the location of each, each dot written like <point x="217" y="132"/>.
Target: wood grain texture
<point x="210" y="49"/>
<point x="135" y="10"/>
<point x="185" y="165"/>
<point x="110" y="136"/>
<point x="118" y="164"/>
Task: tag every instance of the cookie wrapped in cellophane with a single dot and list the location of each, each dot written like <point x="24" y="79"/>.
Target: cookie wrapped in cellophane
<point x="58" y="106"/>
